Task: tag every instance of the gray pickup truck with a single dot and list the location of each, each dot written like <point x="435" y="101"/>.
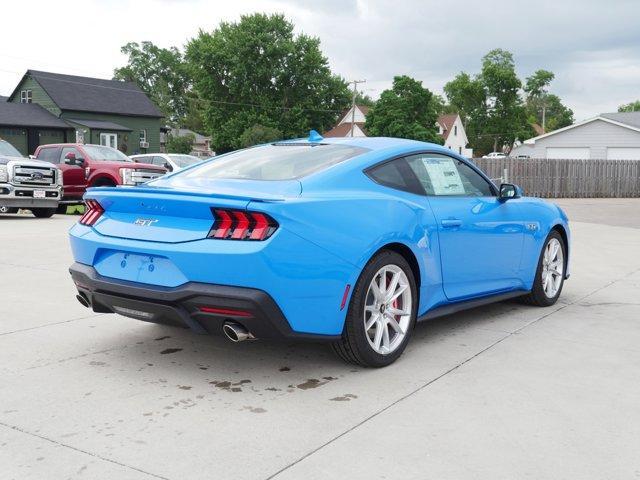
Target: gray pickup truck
<point x="30" y="184"/>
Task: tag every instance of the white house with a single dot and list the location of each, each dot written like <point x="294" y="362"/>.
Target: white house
<point x="356" y="117"/>
<point x="612" y="136"/>
<point x="450" y="127"/>
<point x="201" y="144"/>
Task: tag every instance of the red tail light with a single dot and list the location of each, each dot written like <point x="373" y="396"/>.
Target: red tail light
<point x="93" y="211"/>
<point x="241" y="225"/>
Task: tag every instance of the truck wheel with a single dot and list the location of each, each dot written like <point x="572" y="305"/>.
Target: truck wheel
<point x="4" y="209"/>
<point x="43" y="212"/>
<point x="62" y="209"/>
<point x="104" y="182"/>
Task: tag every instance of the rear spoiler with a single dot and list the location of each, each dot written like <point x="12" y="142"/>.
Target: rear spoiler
<point x="254" y="191"/>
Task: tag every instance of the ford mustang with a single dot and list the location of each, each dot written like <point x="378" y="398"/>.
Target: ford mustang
<point x="345" y="240"/>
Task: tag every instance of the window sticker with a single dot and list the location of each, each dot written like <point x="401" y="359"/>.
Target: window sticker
<point x="444" y="176"/>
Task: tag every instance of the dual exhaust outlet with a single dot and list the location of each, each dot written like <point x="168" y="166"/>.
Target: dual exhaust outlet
<point x="232" y="330"/>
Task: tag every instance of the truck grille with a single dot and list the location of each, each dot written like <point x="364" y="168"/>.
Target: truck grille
<point x="43" y="176"/>
<point x="141" y="176"/>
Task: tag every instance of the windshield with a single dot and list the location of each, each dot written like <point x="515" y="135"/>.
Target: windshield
<point x="9" y="150"/>
<point x="280" y="161"/>
<point x="184" y="160"/>
<point x="108" y="154"/>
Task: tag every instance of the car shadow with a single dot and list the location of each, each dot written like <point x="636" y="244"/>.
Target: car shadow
<point x="169" y="352"/>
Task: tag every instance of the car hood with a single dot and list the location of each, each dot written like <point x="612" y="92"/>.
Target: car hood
<point x="25" y="162"/>
<point x="134" y="165"/>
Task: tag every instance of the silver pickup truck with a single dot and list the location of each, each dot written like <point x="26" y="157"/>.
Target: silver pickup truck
<point x="30" y="184"/>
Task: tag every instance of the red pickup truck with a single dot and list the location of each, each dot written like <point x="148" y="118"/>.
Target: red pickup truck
<point x="85" y="166"/>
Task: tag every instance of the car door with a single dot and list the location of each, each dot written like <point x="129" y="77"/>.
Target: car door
<point x="481" y="238"/>
<point x="75" y="181"/>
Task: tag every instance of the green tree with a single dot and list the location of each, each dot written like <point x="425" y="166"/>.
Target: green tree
<point x="182" y="144"/>
<point x="256" y="71"/>
<point x="544" y="108"/>
<point x="161" y="73"/>
<point x="257" y="134"/>
<point x="407" y="110"/>
<point x="630" y="107"/>
<point x="506" y="119"/>
<point x="363" y="99"/>
<point x="537" y="84"/>
<point x="467" y="97"/>
<point x="557" y="114"/>
<point x="490" y="103"/>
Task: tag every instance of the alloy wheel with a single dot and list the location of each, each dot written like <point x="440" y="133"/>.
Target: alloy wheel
<point x="387" y="310"/>
<point x="552" y="268"/>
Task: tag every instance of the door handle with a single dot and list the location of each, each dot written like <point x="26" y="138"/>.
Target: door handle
<point x="451" y="223"/>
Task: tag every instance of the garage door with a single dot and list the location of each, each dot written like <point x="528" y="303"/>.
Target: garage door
<point x="45" y="137"/>
<point x="623" y="153"/>
<point x="568" y="153"/>
<point x="16" y="137"/>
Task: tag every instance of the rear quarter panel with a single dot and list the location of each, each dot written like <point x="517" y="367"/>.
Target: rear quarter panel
<point x="353" y="221"/>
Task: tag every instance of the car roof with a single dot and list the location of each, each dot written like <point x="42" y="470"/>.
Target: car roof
<point x="370" y="143"/>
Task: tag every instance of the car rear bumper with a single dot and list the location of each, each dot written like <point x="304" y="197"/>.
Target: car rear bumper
<point x="203" y="308"/>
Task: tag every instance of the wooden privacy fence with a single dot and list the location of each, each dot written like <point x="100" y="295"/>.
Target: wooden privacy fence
<point x="553" y="178"/>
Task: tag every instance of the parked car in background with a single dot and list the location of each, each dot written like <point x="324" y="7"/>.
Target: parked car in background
<point x="345" y="240"/>
<point x="86" y="166"/>
<point x="171" y="161"/>
<point x="28" y="184"/>
<point x="495" y="155"/>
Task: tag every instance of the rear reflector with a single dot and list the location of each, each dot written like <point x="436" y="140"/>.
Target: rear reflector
<point x="93" y="211"/>
<point x="345" y="296"/>
<point x="241" y="225"/>
<point x="226" y="311"/>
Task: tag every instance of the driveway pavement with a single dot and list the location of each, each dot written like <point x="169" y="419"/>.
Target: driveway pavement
<point x="500" y="392"/>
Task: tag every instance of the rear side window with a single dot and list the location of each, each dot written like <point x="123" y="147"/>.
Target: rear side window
<point x="395" y="174"/>
<point x="49" y="154"/>
<point x="280" y="161"/>
<point x="389" y="174"/>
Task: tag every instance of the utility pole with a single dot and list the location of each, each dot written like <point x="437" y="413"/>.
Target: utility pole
<point x="353" y="104"/>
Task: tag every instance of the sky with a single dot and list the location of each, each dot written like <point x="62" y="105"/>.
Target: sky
<point x="593" y="47"/>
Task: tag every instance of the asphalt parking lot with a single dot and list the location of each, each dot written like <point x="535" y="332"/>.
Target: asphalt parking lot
<point x="500" y="392"/>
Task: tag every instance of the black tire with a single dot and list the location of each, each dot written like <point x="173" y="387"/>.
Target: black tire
<point x="353" y="346"/>
<point x="61" y="210"/>
<point x="43" y="212"/>
<point x="8" y="210"/>
<point x="537" y="297"/>
<point x="104" y="182"/>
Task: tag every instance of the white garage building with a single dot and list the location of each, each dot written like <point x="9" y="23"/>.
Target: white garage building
<point x="612" y="136"/>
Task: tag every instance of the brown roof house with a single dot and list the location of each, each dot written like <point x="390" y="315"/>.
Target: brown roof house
<point x="449" y="126"/>
<point x="451" y="129"/>
<point x="351" y="118"/>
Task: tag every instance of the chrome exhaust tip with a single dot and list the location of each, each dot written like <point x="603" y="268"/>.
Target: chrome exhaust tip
<point x="236" y="332"/>
<point x="84" y="301"/>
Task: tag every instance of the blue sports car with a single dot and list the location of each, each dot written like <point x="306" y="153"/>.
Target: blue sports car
<point x="345" y="240"/>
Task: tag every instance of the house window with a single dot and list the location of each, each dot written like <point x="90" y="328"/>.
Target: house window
<point x="143" y="135"/>
<point x="455" y="130"/>
<point x="109" y="140"/>
<point x="26" y="96"/>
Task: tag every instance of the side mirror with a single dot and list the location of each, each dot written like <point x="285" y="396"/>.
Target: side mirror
<point x="168" y="166"/>
<point x="509" y="191"/>
<point x="71" y="159"/>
